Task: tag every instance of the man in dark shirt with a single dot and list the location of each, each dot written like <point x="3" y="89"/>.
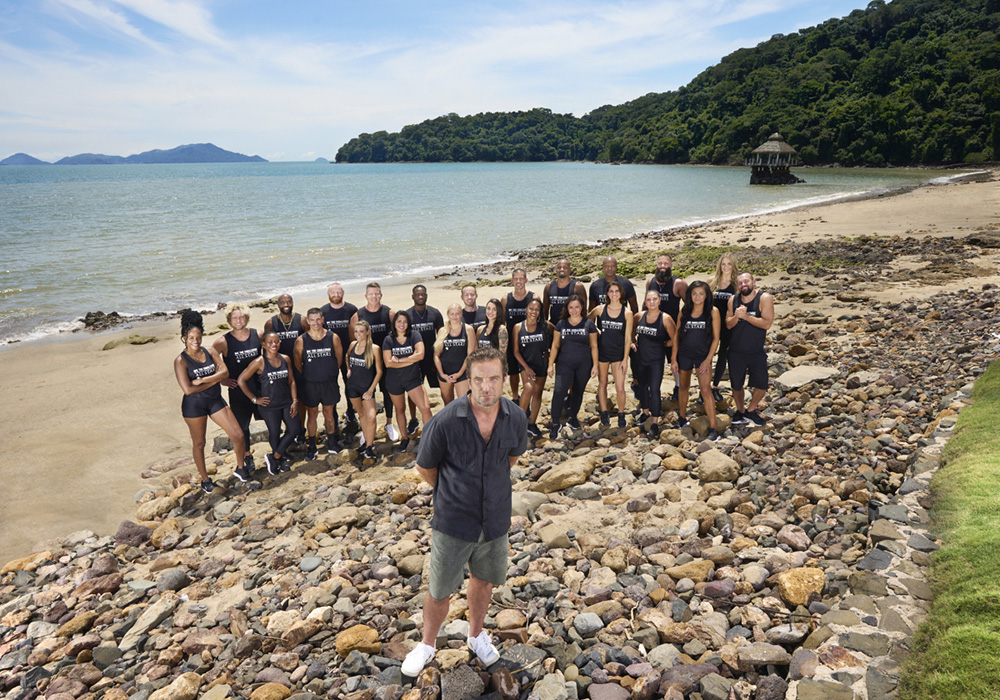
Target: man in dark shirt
<point x="425" y="320"/>
<point x="466" y="453"/>
<point x="472" y="313"/>
<point x="599" y="287"/>
<point x="337" y="317"/>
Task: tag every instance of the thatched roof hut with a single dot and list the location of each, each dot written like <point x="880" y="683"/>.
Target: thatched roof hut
<point x="770" y="162"/>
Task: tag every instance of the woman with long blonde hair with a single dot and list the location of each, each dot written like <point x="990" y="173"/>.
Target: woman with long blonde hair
<point x="723" y="284"/>
<point x="451" y="348"/>
<point x="364" y="371"/>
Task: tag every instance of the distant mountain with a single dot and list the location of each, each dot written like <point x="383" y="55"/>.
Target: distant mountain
<point x="22" y="159"/>
<point x="191" y="153"/>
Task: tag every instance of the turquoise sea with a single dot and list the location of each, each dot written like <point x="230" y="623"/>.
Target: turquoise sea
<point x="143" y="238"/>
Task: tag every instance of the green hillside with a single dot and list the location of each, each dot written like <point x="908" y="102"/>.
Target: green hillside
<point x="906" y="82"/>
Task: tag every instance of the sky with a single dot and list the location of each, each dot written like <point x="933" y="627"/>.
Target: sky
<point x="293" y="81"/>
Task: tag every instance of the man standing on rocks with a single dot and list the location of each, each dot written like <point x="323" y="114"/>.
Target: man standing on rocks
<point x="559" y="290"/>
<point x="472" y="313"/>
<point x="749" y="315"/>
<point x="425" y="320"/>
<point x="599" y="287"/>
<point x="466" y="453"/>
<point x="337" y="317"/>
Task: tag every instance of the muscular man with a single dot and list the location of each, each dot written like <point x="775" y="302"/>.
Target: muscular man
<point x="554" y="296"/>
<point x="599" y="287"/>
<point x="514" y="305"/>
<point x="288" y="326"/>
<point x="671" y="290"/>
<point x="749" y="315"/>
<point x="337" y="317"/>
<point x="425" y="320"/>
<point x="378" y="318"/>
<point x="318" y="356"/>
<point x="472" y="314"/>
<point x="466" y="453"/>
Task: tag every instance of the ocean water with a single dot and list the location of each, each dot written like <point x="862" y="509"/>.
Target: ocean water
<point x="143" y="238"/>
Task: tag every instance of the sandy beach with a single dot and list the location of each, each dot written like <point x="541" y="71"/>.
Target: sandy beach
<point x="82" y="423"/>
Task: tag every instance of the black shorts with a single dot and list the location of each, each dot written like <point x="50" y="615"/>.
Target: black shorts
<point x="687" y="363"/>
<point x="197" y="405"/>
<point x="539" y="371"/>
<point x="610" y="354"/>
<point x="312" y="394"/>
<point x="756" y="363"/>
<point x="430" y="371"/>
<point x="399" y="381"/>
<point x="464" y="377"/>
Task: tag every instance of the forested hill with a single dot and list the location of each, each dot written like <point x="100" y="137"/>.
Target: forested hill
<point x="906" y="82"/>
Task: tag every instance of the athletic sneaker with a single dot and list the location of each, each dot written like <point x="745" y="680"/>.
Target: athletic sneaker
<point x="369" y="452"/>
<point x="412" y="426"/>
<point x="533" y="430"/>
<point x="483" y="646"/>
<point x="415" y="661"/>
<point x="208" y="486"/>
<point x="621" y="420"/>
<point x="243" y="474"/>
<point x="248" y="463"/>
<point x="654" y="431"/>
<point x="739" y="418"/>
<point x="554" y="431"/>
<point x="403" y="444"/>
<point x="716" y="394"/>
<point x="332" y="445"/>
<point x="681" y="422"/>
<point x="754" y="418"/>
<point x="273" y="464"/>
<point x="391" y="432"/>
<point x="311" y="452"/>
<point x="713" y="435"/>
<point x="574" y="423"/>
<point x="605" y="418"/>
<point x="351" y="421"/>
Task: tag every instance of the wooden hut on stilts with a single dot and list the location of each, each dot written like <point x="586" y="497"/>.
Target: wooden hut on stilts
<point x="770" y="162"/>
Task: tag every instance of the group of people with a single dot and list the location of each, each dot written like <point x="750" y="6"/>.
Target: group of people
<point x="292" y="371"/>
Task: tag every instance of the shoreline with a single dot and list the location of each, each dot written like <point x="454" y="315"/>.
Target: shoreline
<point x="85" y="423"/>
<point x="64" y="332"/>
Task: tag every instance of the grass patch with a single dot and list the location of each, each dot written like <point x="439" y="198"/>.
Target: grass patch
<point x="957" y="650"/>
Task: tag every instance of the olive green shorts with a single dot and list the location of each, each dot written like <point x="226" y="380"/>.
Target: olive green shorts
<point x="487" y="561"/>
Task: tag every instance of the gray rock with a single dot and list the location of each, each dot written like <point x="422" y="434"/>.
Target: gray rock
<point x="172" y="580"/>
<point x="461" y="684"/>
<point x="104" y="656"/>
<point x="132" y="534"/>
<point x="802" y="375"/>
<point x="918" y="589"/>
<point x="355" y="664"/>
<point x="663" y="656"/>
<point x="921" y="543"/>
<point x="525" y="502"/>
<point x="523" y="661"/>
<point x="551" y="687"/>
<point x="771" y="688"/>
<point x="867" y="583"/>
<point x="584" y="492"/>
<point x="310" y="563"/>
<point x="809" y="689"/>
<point x="876" y="560"/>
<point x="607" y="691"/>
<point x="762" y="654"/>
<point x="881" y="678"/>
<point x="715" y="687"/>
<point x="588" y="624"/>
<point x="150" y="618"/>
<point x="872" y="644"/>
<point x="39" y="629"/>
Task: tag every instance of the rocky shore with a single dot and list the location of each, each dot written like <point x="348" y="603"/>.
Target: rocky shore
<point x="783" y="562"/>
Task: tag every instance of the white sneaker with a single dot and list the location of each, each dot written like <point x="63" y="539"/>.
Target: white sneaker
<point x="415" y="661"/>
<point x="391" y="432"/>
<point x="483" y="646"/>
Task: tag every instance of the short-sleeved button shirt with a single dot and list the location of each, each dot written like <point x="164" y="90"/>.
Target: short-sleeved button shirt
<point x="472" y="495"/>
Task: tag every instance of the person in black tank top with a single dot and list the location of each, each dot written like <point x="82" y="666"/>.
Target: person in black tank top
<point x="671" y="290"/>
<point x="337" y="317"/>
<point x="693" y="350"/>
<point x="277" y="400"/>
<point x="651" y="329"/>
<point x="723" y="286"/>
<point x="514" y="305"/>
<point x="573" y="362"/>
<point x="749" y="316"/>
<point x="199" y="371"/>
<point x="318" y="357"/>
<point x="288" y="326"/>
<point x="531" y="342"/>
<point x="379" y="320"/>
<point x="493" y="334"/>
<point x="364" y="370"/>
<point x="238" y="348"/>
<point x="402" y="352"/>
<point x="560" y="289"/>
<point x="472" y="313"/>
<point x="451" y="349"/>
<point x="615" y="324"/>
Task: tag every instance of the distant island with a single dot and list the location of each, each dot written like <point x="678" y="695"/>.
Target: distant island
<point x="190" y="153"/>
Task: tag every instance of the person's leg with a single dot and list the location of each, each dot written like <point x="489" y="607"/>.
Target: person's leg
<point x="755" y="398"/>
<point x="581" y="375"/>
<point x="564" y="380"/>
<point x="311" y="414"/>
<point x="242" y="410"/>
<point x="705" y="385"/>
<point x="399" y="406"/>
<point x="196" y="426"/>
<point x="292" y="428"/>
<point x="720" y="360"/>
<point x="643" y="376"/>
<point x="418" y="397"/>
<point x="602" y="386"/>
<point x="447" y="392"/>
<point x="618" y="373"/>
<point x="387" y="404"/>
<point x="683" y="393"/>
<point x="272" y="419"/>
<point x="461" y="388"/>
<point x="329" y="421"/>
<point x="479" y="594"/>
<point x="227" y="421"/>
<point x="655" y="389"/>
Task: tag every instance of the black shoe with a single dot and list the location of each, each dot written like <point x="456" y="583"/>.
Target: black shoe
<point x="273" y="464"/>
<point x="351" y="420"/>
<point x="412" y="426"/>
<point x="574" y="423"/>
<point x="300" y="439"/>
<point x="713" y="435"/>
<point x="654" y="431"/>
<point x="739" y="418"/>
<point x="208" y="486"/>
<point x="637" y="413"/>
<point x="716" y="394"/>
<point x="533" y="430"/>
<point x="681" y="422"/>
<point x="248" y="463"/>
<point x="286" y="464"/>
<point x="311" y="452"/>
<point x="605" y="418"/>
<point x="754" y="418"/>
<point x="332" y="445"/>
<point x="554" y="431"/>
<point x="242" y="474"/>
<point x="621" y="420"/>
<point x="403" y="444"/>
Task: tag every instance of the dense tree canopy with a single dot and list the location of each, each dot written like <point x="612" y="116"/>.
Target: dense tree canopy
<point x="911" y="81"/>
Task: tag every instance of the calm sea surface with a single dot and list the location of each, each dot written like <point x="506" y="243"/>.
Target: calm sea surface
<point x="142" y="238"/>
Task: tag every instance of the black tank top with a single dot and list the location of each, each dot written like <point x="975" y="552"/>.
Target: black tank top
<point x="696" y="334"/>
<point x="403" y="350"/>
<point x="454" y="352"/>
<point x="339" y="321"/>
<point x="476" y="319"/>
<point x="319" y="361"/>
<point x="720" y="300"/>
<point x="274" y="385"/>
<point x="558" y="298"/>
<point x="240" y="353"/>
<point x="287" y="333"/>
<point x="669" y="303"/>
<point x="200" y="370"/>
<point x="574" y="342"/>
<point x="649" y="339"/>
<point x="534" y="346"/>
<point x="379" y="322"/>
<point x="612" y="338"/>
<point x="746" y="338"/>
<point x="515" y="310"/>
<point x="362" y="375"/>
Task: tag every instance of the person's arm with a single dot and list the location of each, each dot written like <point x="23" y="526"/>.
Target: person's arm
<point x="470" y="332"/>
<point x="221" y="346"/>
<point x="706" y="365"/>
<point x="428" y="475"/>
<point x="220" y="375"/>
<point x="595" y="313"/>
<point x="592" y="297"/>
<point x="545" y="301"/>
<point x="297" y="353"/>
<point x="668" y="323"/>
<point x="293" y="389"/>
<point x="766" y="313"/>
<point x="379" y="369"/>
<point x="592" y="337"/>
<point x="674" y="348"/>
<point x="731" y="318"/>
<point x="253" y="368"/>
<point x="180" y="371"/>
<point x="629" y="324"/>
<point x="522" y="366"/>
<point x="267" y="326"/>
<point x="502" y="338"/>
<point x="437" y="353"/>
<point x="338" y="349"/>
<point x="580" y="291"/>
<point x="556" y="342"/>
<point x="633" y="341"/>
<point x="633" y="303"/>
<point x="354" y="319"/>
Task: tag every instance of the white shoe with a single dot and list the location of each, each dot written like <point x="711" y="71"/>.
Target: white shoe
<point x="483" y="646"/>
<point x="415" y="661"/>
<point x="391" y="432"/>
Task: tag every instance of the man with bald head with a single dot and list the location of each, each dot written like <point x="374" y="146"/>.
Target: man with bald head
<point x="554" y="296"/>
<point x="337" y="319"/>
<point x="288" y="326"/>
<point x="599" y="287"/>
<point x="749" y="316"/>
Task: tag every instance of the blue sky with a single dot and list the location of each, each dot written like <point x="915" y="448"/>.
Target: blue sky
<point x="295" y="80"/>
